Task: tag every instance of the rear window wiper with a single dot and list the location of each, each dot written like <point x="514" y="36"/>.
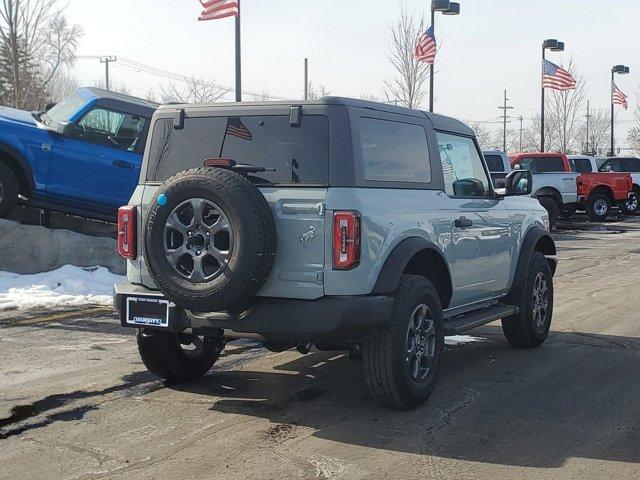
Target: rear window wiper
<point x="243" y="168"/>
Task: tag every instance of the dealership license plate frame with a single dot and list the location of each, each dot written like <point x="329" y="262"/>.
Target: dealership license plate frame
<point x="157" y="313"/>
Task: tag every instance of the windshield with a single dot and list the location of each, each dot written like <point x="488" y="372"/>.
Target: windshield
<point x="64" y="110"/>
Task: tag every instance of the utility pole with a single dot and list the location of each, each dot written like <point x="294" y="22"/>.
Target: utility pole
<point x="504" y="109"/>
<point x="588" y="115"/>
<point x="520" y="119"/>
<point x="306" y="79"/>
<point x="107" y="61"/>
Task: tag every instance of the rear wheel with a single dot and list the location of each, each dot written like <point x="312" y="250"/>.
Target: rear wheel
<point x="8" y="190"/>
<point x="598" y="207"/>
<point x="552" y="208"/>
<point x="534" y="299"/>
<point x="402" y="362"/>
<point x="177" y="357"/>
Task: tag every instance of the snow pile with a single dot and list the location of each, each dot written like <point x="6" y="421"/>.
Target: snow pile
<point x="67" y="286"/>
<point x="462" y="340"/>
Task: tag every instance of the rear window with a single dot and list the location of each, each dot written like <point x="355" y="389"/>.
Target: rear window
<point x="582" y="165"/>
<point x="631" y="164"/>
<point x="394" y="151"/>
<point x="494" y="162"/>
<point x="542" y="164"/>
<point x="291" y="155"/>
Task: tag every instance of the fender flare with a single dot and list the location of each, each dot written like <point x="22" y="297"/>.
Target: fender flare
<point x="397" y="260"/>
<point x="549" y="192"/>
<point x="20" y="163"/>
<point x="531" y="239"/>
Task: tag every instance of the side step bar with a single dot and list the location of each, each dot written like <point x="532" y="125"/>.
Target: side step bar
<point x="467" y="321"/>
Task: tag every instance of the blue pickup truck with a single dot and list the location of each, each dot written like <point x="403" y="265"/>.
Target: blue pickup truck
<point x="81" y="156"/>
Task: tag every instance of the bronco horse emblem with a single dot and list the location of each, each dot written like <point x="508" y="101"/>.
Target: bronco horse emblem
<point x="306" y="237"/>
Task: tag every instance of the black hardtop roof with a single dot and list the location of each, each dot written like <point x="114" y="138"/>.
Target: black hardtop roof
<point x="440" y="122"/>
<point x="103" y="94"/>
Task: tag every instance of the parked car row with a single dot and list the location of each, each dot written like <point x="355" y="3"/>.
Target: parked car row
<point x="564" y="184"/>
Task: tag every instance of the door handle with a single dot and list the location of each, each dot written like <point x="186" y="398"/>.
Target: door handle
<point x="123" y="164"/>
<point x="463" y="222"/>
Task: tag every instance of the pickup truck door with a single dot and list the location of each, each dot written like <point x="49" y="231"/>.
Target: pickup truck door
<point x="100" y="161"/>
<point x="480" y="252"/>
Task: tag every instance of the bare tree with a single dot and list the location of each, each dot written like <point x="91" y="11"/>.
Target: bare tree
<point x="599" y="128"/>
<point x="407" y="87"/>
<point x="565" y="110"/>
<point x="531" y="136"/>
<point x="197" y="90"/>
<point x="634" y="134"/>
<point x="483" y="134"/>
<point x="114" y="86"/>
<point x="314" y="93"/>
<point x="36" y="42"/>
<point x="62" y="86"/>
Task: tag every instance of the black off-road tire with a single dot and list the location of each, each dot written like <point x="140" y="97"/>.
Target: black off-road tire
<point x="385" y="353"/>
<point x="553" y="209"/>
<point x="568" y="212"/>
<point x="595" y="201"/>
<point x="163" y="355"/>
<point x="254" y="240"/>
<point x="8" y="190"/>
<point x="521" y="330"/>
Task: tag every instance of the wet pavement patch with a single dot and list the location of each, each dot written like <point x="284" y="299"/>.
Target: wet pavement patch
<point x="603" y="229"/>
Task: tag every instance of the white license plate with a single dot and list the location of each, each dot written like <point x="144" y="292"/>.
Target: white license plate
<point x="148" y="312"/>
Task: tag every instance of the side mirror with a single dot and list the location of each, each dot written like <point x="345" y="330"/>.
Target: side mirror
<point x="68" y="129"/>
<point x="49" y="106"/>
<point x="608" y="168"/>
<point x="517" y="166"/>
<point x="518" y="182"/>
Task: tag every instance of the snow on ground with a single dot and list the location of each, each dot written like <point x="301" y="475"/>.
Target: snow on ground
<point x="462" y="340"/>
<point x="65" y="287"/>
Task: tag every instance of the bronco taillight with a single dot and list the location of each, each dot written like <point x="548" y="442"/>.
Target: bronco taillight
<point x="127" y="232"/>
<point x="346" y="240"/>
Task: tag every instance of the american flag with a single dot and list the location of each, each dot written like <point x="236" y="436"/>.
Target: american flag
<point x="557" y="78"/>
<point x="619" y="98"/>
<point x="214" y="9"/>
<point x="236" y="128"/>
<point x="426" y="48"/>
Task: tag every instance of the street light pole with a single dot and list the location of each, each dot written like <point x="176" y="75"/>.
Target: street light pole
<point x="446" y="8"/>
<point x="555" y="46"/>
<point x="107" y="61"/>
<point x="622" y="70"/>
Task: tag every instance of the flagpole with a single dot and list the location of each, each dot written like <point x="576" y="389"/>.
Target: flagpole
<point x="238" y="58"/>
<point x="542" y="103"/>
<point x="433" y="21"/>
<point x="612" y="113"/>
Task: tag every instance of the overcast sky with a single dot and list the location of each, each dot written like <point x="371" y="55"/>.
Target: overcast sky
<point x="493" y="45"/>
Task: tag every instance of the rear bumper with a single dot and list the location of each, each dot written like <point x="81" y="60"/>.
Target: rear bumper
<point x="325" y="320"/>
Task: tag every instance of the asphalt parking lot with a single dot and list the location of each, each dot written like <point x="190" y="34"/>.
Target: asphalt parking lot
<point x="77" y="403"/>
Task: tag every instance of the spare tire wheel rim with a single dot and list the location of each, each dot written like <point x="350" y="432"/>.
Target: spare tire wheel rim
<point x="600" y="207"/>
<point x="198" y="240"/>
<point x="420" y="343"/>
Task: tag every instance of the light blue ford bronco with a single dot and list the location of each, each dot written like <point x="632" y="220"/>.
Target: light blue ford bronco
<point x="339" y="223"/>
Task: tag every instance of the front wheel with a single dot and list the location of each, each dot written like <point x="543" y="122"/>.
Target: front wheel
<point x="598" y="207"/>
<point x="402" y="362"/>
<point x="552" y="208"/>
<point x="631" y="206"/>
<point x="530" y="326"/>
<point x="177" y="357"/>
<point x="8" y="190"/>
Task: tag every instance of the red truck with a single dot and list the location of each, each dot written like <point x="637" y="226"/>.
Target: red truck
<point x="563" y="191"/>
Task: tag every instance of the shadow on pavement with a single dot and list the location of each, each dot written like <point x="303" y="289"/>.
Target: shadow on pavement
<point x="576" y="396"/>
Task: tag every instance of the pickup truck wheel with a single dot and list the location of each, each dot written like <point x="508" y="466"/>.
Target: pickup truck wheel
<point x="210" y="240"/>
<point x="551" y="206"/>
<point x="631" y="205"/>
<point x="567" y="212"/>
<point x="8" y="190"/>
<point x="177" y="357"/>
<point x="598" y="207"/>
<point x="402" y="362"/>
<point x="530" y="326"/>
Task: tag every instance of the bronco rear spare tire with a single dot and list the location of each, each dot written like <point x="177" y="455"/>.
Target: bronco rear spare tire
<point x="210" y="239"/>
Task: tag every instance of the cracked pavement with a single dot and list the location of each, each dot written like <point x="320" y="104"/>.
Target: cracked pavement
<point x="77" y="403"/>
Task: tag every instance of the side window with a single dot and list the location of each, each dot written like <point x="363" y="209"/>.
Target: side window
<point x="394" y="152"/>
<point x="494" y="162"/>
<point x="615" y="165"/>
<point x="527" y="164"/>
<point x="464" y="173"/>
<point x="549" y="164"/>
<point x="111" y="129"/>
<point x="631" y="164"/>
<point x="581" y="165"/>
